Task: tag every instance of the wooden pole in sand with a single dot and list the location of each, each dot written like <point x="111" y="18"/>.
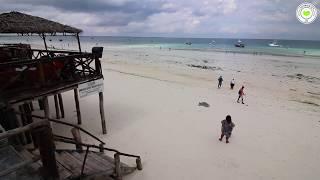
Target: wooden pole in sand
<point x="76" y="99"/>
<point x="103" y="120"/>
<point x="56" y="105"/>
<point x="61" y="105"/>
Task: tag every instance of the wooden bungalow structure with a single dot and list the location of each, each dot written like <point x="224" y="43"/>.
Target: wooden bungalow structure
<point x="27" y="75"/>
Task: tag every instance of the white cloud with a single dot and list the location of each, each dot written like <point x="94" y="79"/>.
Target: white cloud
<point x="217" y="18"/>
<point x="229" y="30"/>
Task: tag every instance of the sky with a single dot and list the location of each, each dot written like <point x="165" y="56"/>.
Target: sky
<point x="265" y="19"/>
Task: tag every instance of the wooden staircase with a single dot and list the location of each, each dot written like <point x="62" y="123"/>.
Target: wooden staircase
<point x="43" y="161"/>
<point x="97" y="164"/>
<point x="69" y="162"/>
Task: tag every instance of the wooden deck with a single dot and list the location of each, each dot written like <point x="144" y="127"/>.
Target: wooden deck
<point x="25" y="94"/>
<point x="45" y="73"/>
<point x="69" y="162"/>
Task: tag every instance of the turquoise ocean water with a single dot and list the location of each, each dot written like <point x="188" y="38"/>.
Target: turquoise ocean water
<point x="287" y="47"/>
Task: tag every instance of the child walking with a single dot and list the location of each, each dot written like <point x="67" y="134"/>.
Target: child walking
<point x="220" y="82"/>
<point x="226" y="128"/>
<point x="241" y="94"/>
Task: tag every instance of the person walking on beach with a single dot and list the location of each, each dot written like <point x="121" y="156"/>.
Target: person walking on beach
<point x="226" y="128"/>
<point x="241" y="94"/>
<point x="232" y="83"/>
<point x="220" y="82"/>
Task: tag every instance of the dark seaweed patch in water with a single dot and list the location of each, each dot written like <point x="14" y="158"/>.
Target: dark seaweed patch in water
<point x="204" y="104"/>
<point x="307" y="102"/>
<point x="205" y="67"/>
<point x="313" y="93"/>
<point x="303" y="77"/>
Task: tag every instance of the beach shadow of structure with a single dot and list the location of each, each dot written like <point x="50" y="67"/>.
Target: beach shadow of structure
<point x="28" y="75"/>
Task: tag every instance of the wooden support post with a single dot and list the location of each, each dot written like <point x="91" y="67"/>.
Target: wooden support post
<point x="98" y="66"/>
<point x="24" y="122"/>
<point x="46" y="107"/>
<point x="21" y="123"/>
<point x="49" y="168"/>
<point x="61" y="105"/>
<point x="31" y="106"/>
<point x="101" y="148"/>
<point x="56" y="105"/>
<point x="41" y="106"/>
<point x="103" y="120"/>
<point x="139" y="164"/>
<point x="76" y="99"/>
<point x="78" y="39"/>
<point x="77" y="138"/>
<point x="117" y="167"/>
<point x="43" y="36"/>
<point x="10" y="121"/>
<point x="28" y="120"/>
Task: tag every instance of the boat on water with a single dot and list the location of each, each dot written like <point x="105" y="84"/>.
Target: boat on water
<point x="239" y="44"/>
<point x="212" y="43"/>
<point x="188" y="43"/>
<point x="274" y="44"/>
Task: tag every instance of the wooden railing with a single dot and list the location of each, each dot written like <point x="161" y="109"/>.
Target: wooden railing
<point x="48" y="69"/>
<point x="100" y="147"/>
<point x="117" y="154"/>
<point x="43" y="135"/>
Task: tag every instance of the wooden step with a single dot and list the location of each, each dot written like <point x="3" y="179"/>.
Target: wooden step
<point x="97" y="164"/>
<point x="91" y="162"/>
<point x="101" y="160"/>
<point x="27" y="155"/>
<point x="71" y="163"/>
<point x="63" y="172"/>
<point x="125" y="169"/>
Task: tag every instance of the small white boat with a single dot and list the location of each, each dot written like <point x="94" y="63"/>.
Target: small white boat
<point x="239" y="44"/>
<point x="212" y="43"/>
<point x="274" y="44"/>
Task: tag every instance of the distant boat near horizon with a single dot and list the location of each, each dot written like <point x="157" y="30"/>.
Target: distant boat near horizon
<point x="188" y="43"/>
<point x="213" y="43"/>
<point x="239" y="44"/>
<point x="274" y="44"/>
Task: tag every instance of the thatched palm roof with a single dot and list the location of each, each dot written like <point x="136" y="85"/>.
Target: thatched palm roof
<point x="16" y="22"/>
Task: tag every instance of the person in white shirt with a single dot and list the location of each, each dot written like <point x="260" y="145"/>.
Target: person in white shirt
<point x="232" y="83"/>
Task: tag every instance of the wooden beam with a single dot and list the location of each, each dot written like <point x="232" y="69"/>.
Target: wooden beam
<point x="103" y="120"/>
<point x="76" y="99"/>
<point x="61" y="105"/>
<point x="56" y="105"/>
<point x="23" y="129"/>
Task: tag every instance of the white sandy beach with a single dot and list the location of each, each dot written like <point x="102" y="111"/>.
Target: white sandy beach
<point x="152" y="110"/>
